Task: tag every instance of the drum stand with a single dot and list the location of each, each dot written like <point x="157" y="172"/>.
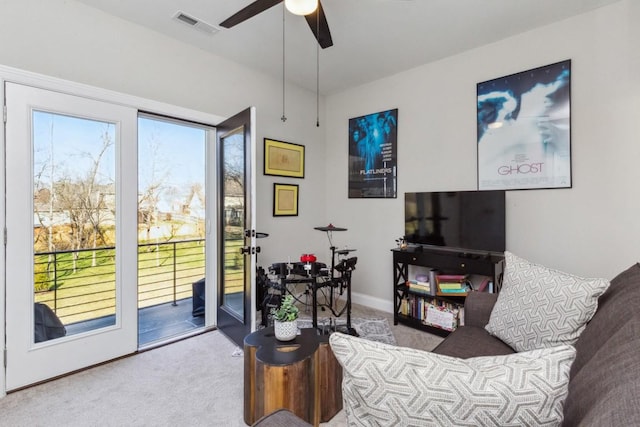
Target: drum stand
<point x="345" y="267"/>
<point x="312" y="275"/>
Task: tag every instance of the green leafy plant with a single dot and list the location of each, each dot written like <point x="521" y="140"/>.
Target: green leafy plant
<point x="287" y="311"/>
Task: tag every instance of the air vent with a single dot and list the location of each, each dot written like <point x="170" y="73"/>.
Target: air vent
<point x="195" y="23"/>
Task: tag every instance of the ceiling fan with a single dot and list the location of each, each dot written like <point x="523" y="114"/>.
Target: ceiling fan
<point x="317" y="20"/>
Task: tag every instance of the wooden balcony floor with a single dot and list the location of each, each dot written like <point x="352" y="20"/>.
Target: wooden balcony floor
<point x="155" y="323"/>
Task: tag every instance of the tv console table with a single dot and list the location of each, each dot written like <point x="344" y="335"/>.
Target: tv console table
<point x="417" y="309"/>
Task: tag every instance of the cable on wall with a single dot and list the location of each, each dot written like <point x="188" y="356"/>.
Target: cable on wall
<point x="284" y="117"/>
<point x="318" y="69"/>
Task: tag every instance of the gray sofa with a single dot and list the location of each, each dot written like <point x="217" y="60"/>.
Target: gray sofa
<point x="604" y="387"/>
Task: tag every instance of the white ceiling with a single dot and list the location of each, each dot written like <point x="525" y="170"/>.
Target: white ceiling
<point x="372" y="38"/>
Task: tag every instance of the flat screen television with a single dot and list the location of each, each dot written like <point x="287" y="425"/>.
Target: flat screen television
<point x="469" y="220"/>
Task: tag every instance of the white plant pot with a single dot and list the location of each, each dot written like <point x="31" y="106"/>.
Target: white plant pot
<point x="285" y="331"/>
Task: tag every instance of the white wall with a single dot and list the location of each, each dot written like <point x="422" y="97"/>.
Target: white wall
<point x="591" y="229"/>
<point x="66" y="39"/>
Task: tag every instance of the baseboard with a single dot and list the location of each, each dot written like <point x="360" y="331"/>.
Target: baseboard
<point x="373" y="302"/>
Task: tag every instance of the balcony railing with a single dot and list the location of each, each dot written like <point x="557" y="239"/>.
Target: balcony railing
<point x="80" y="285"/>
<point x="167" y="270"/>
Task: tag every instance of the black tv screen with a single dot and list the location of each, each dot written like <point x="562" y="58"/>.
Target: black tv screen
<point x="473" y="220"/>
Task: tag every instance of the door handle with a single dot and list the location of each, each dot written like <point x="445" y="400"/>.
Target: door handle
<point x="248" y="250"/>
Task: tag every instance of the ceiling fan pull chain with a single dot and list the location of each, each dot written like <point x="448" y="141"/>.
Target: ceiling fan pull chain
<point x="284" y="117"/>
<point x="318" y="70"/>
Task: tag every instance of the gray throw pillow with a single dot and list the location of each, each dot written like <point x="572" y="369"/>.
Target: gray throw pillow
<point x="539" y="307"/>
<point x="385" y="385"/>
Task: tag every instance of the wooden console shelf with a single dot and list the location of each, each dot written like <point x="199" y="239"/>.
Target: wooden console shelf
<point x="488" y="265"/>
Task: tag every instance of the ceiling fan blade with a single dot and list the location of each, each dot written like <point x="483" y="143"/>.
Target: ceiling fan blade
<point x="320" y="28"/>
<point x="250" y="11"/>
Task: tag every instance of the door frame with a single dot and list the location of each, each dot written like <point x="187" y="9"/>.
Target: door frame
<point x="210" y="236"/>
<point x="15" y="75"/>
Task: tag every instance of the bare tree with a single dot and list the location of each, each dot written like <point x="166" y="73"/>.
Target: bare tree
<point x="234" y="164"/>
<point x="153" y="177"/>
<point x="83" y="200"/>
<point x="43" y="195"/>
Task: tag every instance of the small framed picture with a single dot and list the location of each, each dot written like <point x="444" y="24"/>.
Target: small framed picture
<point x="283" y="159"/>
<point x="285" y="200"/>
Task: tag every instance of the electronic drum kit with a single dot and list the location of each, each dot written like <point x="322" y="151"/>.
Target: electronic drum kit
<point x="316" y="275"/>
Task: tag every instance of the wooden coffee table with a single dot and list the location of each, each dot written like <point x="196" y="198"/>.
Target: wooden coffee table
<point x="301" y="375"/>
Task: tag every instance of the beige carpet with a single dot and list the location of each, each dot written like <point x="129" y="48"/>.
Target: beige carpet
<point x="194" y="382"/>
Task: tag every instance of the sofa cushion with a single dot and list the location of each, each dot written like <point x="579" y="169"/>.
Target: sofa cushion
<point x="617" y="306"/>
<point x="389" y="385"/>
<point x="606" y="391"/>
<point x="539" y="307"/>
<point x="471" y="341"/>
<point x="478" y="307"/>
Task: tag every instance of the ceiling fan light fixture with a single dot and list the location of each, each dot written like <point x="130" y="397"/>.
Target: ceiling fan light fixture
<point x="301" y="7"/>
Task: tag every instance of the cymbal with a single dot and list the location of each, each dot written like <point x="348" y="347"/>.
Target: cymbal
<point x="330" y="227"/>
<point x="261" y="235"/>
<point x="345" y="251"/>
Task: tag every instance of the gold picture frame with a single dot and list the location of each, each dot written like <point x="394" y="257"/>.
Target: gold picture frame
<point x="285" y="199"/>
<point x="283" y="159"/>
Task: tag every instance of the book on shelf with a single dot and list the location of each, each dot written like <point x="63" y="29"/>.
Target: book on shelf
<point x="446" y="314"/>
<point x="452" y="285"/>
<point x="470" y="283"/>
<point x="452" y="281"/>
<point x="461" y="290"/>
<point x="441" y="317"/>
<point x="452" y="277"/>
<point x="455" y="291"/>
<point x="420" y="287"/>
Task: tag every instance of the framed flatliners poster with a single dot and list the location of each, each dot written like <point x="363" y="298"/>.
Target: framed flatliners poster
<point x="524" y="129"/>
<point x="373" y="159"/>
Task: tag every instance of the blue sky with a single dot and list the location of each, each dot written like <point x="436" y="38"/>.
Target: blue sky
<point x="75" y="143"/>
<point x="179" y="157"/>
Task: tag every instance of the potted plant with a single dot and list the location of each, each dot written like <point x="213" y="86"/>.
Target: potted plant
<point x="285" y="319"/>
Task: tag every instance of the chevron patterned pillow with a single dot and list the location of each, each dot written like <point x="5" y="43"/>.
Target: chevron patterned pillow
<point x="539" y="307"/>
<point x="385" y="385"/>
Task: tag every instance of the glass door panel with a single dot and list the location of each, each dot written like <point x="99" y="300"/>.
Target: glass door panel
<point x="233" y="185"/>
<point x="74" y="227"/>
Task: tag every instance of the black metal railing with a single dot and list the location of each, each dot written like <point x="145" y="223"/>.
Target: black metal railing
<point x="75" y="283"/>
<point x="167" y="270"/>
<point x="80" y="284"/>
